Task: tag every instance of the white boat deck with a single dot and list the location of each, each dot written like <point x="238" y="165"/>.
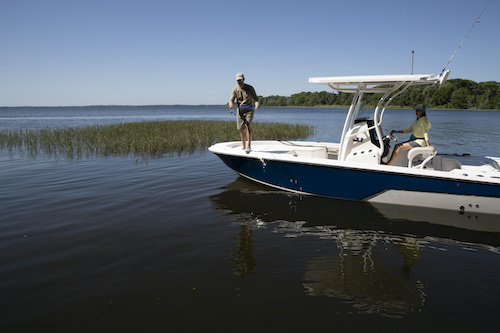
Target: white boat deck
<point x="482" y="167"/>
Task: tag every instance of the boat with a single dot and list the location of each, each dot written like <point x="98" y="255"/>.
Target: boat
<point x="355" y="169"/>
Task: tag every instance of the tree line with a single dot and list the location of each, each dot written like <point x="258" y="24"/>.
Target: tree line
<point x="453" y="94"/>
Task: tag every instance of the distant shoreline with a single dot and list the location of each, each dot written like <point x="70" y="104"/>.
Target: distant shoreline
<point x="390" y="108"/>
<point x="393" y="107"/>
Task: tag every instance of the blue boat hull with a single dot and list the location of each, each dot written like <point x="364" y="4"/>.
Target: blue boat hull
<point x="349" y="183"/>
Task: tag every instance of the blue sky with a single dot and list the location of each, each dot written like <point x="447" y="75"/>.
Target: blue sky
<point x="148" y="52"/>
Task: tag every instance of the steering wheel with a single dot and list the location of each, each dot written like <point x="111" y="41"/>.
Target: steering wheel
<point x="390" y="136"/>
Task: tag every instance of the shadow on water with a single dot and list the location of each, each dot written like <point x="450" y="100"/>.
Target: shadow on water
<point x="376" y="247"/>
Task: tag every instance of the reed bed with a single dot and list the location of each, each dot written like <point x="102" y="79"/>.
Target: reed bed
<point x="141" y="140"/>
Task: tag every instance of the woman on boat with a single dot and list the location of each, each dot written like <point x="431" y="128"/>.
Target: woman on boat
<point x="419" y="137"/>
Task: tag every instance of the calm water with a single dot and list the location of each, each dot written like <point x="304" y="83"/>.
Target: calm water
<point x="181" y="244"/>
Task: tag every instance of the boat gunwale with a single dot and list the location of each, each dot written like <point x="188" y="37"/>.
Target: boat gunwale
<point x="358" y="166"/>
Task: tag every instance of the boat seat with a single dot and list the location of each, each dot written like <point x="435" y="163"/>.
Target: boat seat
<point x="427" y="153"/>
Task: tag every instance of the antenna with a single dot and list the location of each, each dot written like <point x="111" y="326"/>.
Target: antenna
<point x="412" y="53"/>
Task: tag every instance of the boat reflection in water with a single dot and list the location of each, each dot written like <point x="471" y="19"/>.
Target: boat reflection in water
<point x="375" y="248"/>
<point x="362" y="275"/>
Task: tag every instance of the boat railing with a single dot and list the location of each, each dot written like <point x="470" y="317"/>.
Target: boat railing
<point x="390" y="99"/>
<point x="427" y="153"/>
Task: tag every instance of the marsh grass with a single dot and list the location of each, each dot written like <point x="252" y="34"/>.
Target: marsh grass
<point x="141" y="140"/>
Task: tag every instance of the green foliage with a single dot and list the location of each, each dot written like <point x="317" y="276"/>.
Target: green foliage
<point x="453" y="94"/>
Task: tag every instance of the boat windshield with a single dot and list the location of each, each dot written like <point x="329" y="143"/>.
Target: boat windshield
<point x="364" y="112"/>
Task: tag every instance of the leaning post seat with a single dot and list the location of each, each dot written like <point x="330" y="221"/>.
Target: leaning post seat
<point x="427" y="153"/>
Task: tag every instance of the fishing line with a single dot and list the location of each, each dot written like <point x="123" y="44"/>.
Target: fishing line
<point x="465" y="37"/>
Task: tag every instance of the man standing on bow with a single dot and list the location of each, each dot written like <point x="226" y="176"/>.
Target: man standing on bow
<point x="246" y="98"/>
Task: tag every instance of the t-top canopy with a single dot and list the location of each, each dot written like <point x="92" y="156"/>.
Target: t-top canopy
<point x="375" y="83"/>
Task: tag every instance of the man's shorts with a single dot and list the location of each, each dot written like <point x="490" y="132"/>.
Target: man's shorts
<point x="248" y="116"/>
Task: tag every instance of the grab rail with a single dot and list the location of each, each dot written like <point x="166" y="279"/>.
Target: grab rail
<point x="427" y="152"/>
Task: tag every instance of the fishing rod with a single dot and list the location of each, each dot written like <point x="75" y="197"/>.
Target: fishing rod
<point x="466" y="35"/>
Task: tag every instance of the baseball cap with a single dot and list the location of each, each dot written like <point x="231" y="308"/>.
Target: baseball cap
<point x="420" y="107"/>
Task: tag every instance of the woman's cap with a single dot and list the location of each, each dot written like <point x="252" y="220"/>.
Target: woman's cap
<point x="420" y="107"/>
